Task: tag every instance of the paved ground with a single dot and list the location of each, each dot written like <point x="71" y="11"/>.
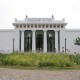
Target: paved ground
<point x="14" y="74"/>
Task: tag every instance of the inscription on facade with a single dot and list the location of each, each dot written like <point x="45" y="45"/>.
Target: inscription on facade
<point x="39" y="20"/>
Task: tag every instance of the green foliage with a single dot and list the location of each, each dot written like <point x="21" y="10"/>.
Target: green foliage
<point x="39" y="60"/>
<point x="77" y="59"/>
<point x="58" y="60"/>
<point x="77" y="41"/>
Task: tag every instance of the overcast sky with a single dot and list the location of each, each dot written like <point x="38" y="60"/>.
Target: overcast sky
<point x="68" y="9"/>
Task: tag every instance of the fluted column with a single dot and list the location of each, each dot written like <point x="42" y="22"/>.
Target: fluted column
<point x="33" y="41"/>
<point x="22" y="41"/>
<point x="45" y="41"/>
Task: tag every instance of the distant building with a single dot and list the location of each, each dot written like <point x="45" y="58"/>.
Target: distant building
<point x="39" y="35"/>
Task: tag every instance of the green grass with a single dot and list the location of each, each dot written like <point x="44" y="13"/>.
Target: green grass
<point x="40" y="61"/>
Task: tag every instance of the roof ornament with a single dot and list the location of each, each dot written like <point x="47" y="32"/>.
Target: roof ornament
<point x="63" y="19"/>
<point x="15" y="19"/>
<point x="26" y="16"/>
<point x="52" y="16"/>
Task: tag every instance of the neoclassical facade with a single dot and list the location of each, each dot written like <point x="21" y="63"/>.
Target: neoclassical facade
<point x="39" y="35"/>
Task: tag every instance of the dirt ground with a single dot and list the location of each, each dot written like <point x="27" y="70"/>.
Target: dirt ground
<point x="17" y="74"/>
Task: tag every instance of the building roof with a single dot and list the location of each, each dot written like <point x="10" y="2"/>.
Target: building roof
<point x="39" y="21"/>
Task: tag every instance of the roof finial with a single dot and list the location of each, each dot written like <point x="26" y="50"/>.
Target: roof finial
<point x="26" y="16"/>
<point x="63" y="19"/>
<point x="15" y="19"/>
<point x="52" y="16"/>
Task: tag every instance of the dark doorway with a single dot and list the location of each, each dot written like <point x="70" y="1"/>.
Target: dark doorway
<point x="39" y="42"/>
<point x="28" y="40"/>
<point x="50" y="41"/>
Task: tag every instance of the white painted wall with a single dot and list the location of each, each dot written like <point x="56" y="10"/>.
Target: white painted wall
<point x="71" y="35"/>
<point x="62" y="40"/>
<point x="6" y="40"/>
<point x="16" y="41"/>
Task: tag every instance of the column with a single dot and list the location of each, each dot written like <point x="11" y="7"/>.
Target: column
<point x="59" y="25"/>
<point x="56" y="40"/>
<point x="45" y="41"/>
<point x="22" y="41"/>
<point x="37" y="26"/>
<point x="33" y="41"/>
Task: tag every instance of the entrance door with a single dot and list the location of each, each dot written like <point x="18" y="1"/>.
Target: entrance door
<point x="39" y="42"/>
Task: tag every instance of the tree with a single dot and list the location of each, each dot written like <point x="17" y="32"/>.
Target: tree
<point x="77" y="41"/>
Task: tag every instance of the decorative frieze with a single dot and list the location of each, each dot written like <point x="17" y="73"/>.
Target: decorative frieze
<point x="40" y="26"/>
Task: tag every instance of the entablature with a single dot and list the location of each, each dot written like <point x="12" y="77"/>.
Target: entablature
<point x="39" y="23"/>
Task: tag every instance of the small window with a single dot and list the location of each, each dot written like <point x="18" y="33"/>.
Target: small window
<point x="27" y="26"/>
<point x="61" y="26"/>
<point x="39" y="26"/>
<point x="35" y="26"/>
<point x="46" y="26"/>
<point x="20" y="26"/>
<point x="57" y="26"/>
<point x="31" y="26"/>
<point x="16" y="26"/>
<point x="43" y="26"/>
<point x="24" y="26"/>
<point x="50" y="26"/>
<point x="54" y="26"/>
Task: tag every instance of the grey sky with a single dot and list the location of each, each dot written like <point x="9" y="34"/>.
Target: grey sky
<point x="11" y="9"/>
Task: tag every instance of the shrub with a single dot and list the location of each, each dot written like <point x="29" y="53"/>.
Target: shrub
<point x="77" y="59"/>
<point x="39" y="60"/>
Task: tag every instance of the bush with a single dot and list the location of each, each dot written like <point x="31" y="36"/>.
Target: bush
<point x="77" y="59"/>
<point x="39" y="60"/>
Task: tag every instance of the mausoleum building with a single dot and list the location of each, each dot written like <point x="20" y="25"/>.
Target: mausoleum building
<point x="39" y="35"/>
